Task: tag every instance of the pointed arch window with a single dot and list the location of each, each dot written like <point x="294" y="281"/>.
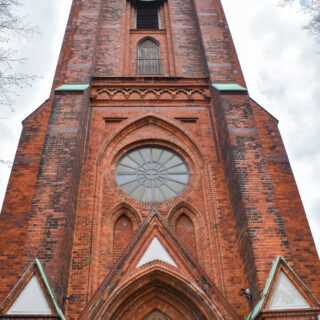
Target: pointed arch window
<point x="149" y="61"/>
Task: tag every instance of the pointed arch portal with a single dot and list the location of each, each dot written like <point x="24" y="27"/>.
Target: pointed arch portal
<point x="156" y="289"/>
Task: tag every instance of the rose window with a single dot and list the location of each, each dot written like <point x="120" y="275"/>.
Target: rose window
<point x="152" y="174"/>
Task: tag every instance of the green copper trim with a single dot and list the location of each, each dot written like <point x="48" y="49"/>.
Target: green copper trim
<point x="72" y="87"/>
<point x="38" y="265"/>
<point x="228" y="87"/>
<point x="41" y="270"/>
<point x="260" y="304"/>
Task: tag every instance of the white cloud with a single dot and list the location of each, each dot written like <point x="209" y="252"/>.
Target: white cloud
<point x="281" y="65"/>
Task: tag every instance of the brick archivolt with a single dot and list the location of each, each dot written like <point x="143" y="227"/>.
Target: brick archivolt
<point x="111" y="203"/>
<point x="200" y="228"/>
<point x="187" y="209"/>
<point x="103" y="240"/>
<point x="159" y="132"/>
<point x="127" y="300"/>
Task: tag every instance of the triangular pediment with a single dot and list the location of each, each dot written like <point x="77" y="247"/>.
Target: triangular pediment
<point x="32" y="300"/>
<point x="286" y="295"/>
<point x="153" y="257"/>
<point x="156" y="251"/>
<point x="284" y="291"/>
<point x="32" y="295"/>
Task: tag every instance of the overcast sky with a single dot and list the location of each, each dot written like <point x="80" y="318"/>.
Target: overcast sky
<point x="280" y="61"/>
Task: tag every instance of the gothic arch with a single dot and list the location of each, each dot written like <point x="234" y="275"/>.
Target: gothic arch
<point x="118" y="210"/>
<point x="155" y="287"/>
<point x="103" y="240"/>
<point x="122" y="234"/>
<point x="148" y="56"/>
<point x="148" y="38"/>
<point x="163" y="133"/>
<point x="189" y="210"/>
<point x="169" y="125"/>
<point x="185" y="231"/>
<point x="200" y="229"/>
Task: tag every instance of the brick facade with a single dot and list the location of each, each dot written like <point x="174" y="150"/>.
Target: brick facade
<point x="238" y="212"/>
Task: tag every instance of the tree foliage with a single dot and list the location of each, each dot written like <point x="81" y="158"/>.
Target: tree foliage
<point x="312" y="8"/>
<point x="12" y="26"/>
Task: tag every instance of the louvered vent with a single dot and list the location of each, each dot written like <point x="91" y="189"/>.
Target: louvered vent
<point x="147" y="16"/>
<point x="148" y="61"/>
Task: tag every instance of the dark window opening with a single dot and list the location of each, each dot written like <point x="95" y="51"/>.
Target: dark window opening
<point x="147" y="16"/>
<point x="188" y="120"/>
<point x="110" y="121"/>
<point x="148" y="61"/>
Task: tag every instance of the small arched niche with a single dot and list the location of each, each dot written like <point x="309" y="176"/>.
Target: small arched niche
<point x="122" y="234"/>
<point x="185" y="231"/>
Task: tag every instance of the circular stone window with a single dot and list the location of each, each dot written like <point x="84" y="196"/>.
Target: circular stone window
<point x="151" y="174"/>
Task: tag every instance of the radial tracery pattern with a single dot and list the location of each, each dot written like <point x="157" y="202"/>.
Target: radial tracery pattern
<point x="151" y="174"/>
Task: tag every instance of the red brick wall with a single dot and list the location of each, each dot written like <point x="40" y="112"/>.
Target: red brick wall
<point x="298" y="236"/>
<point x="66" y="205"/>
<point x="15" y="216"/>
<point x="122" y="234"/>
<point x="185" y="231"/>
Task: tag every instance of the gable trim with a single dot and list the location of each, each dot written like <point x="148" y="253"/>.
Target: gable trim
<point x="6" y="304"/>
<point x="273" y="272"/>
<point x="108" y="294"/>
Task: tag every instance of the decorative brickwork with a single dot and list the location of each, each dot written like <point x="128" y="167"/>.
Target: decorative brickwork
<point x="238" y="211"/>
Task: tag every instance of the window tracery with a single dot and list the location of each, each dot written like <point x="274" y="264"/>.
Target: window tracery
<point x="152" y="174"/>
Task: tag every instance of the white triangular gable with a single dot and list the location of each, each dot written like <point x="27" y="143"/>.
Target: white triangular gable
<point x="286" y="295"/>
<point x="31" y="300"/>
<point x="156" y="251"/>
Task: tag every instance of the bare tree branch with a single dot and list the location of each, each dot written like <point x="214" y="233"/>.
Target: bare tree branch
<point x="312" y="8"/>
<point x="12" y="26"/>
<point x="6" y="163"/>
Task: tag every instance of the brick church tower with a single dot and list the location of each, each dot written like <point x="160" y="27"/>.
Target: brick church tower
<point x="149" y="185"/>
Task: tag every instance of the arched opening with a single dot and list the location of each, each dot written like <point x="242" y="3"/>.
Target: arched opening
<point x="156" y="315"/>
<point x="147" y="15"/>
<point x="157" y="288"/>
<point x="185" y="231"/>
<point x="122" y="233"/>
<point x="148" y="61"/>
<point x="157" y="291"/>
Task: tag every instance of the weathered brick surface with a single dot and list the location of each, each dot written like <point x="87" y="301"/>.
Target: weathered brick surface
<point x="185" y="231"/>
<point x="220" y="53"/>
<point x="14" y="217"/>
<point x="187" y="46"/>
<point x="251" y="188"/>
<point x="299" y="238"/>
<point x="241" y="207"/>
<point x="122" y="234"/>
